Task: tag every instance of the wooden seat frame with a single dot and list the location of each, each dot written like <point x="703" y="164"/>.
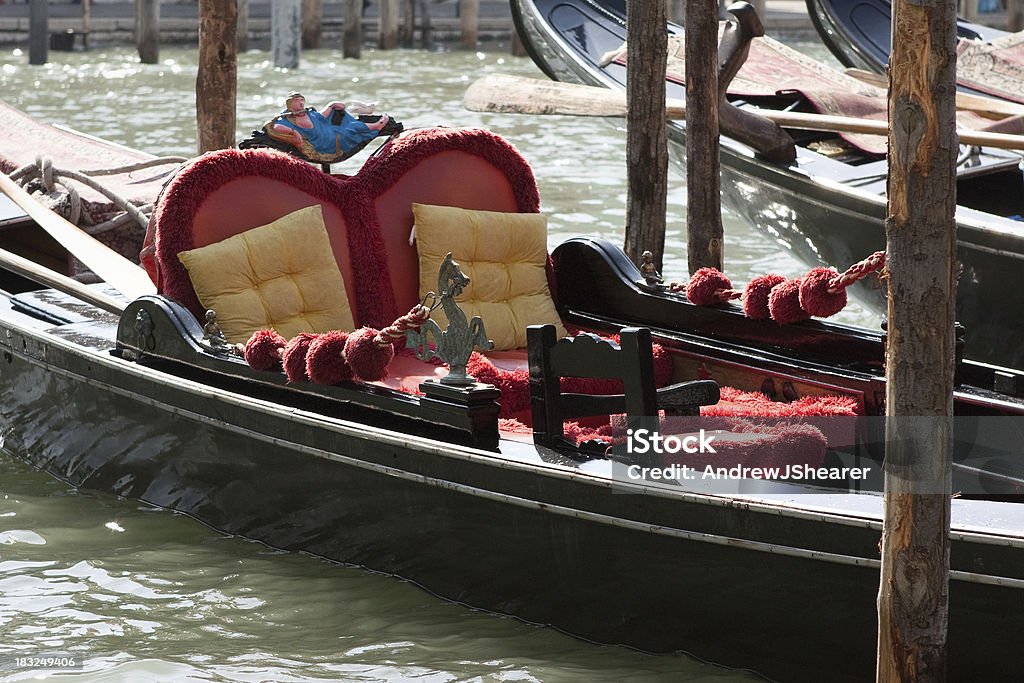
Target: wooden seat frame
<point x="587" y="355"/>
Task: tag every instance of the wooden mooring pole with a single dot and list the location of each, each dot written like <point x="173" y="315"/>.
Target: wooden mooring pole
<point x="242" y="26"/>
<point x="407" y="31"/>
<point x="286" y="33"/>
<point x="147" y="36"/>
<point x="1014" y="15"/>
<point x="86" y="23"/>
<point x="312" y="23"/>
<point x="38" y="32"/>
<point x="913" y="598"/>
<point x="518" y="49"/>
<point x="352" y="29"/>
<point x="703" y="168"/>
<point x="469" y="15"/>
<point x="646" y="141"/>
<point x="677" y="10"/>
<point x="388" y="35"/>
<point x="426" y="28"/>
<point x="217" y="75"/>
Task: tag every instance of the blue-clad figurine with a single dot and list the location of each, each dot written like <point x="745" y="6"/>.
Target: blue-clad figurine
<point x="314" y="134"/>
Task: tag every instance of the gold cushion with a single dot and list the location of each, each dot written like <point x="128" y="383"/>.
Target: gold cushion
<point x="503" y="254"/>
<point x="280" y="275"/>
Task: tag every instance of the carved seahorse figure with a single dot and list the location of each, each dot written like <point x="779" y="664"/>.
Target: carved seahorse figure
<point x="455" y="344"/>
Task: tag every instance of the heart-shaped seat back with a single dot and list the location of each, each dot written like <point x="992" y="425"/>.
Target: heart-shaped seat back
<point x="368" y="216"/>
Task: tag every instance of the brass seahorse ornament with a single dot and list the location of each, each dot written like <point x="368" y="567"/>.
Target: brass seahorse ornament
<point x="455" y="344"/>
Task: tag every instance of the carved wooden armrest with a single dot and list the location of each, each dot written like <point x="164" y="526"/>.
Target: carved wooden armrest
<point x="686" y="398"/>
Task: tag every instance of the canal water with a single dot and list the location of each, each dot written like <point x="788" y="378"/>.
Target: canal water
<point x="142" y="594"/>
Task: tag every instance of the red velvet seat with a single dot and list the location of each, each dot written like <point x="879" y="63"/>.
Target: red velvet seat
<point x="368" y="215"/>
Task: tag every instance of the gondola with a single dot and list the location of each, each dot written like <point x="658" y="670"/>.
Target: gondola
<point x="828" y="205"/>
<point x="445" y="483"/>
<point x="858" y="32"/>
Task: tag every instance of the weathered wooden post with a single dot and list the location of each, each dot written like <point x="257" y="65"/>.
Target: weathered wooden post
<point x="704" y="230"/>
<point x="469" y="14"/>
<point x="518" y="49"/>
<point x="969" y="10"/>
<point x="86" y="23"/>
<point x="242" y="26"/>
<point x="676" y="10"/>
<point x="285" y="32"/>
<point x="646" y="141"/>
<point x="38" y="32"/>
<point x="312" y="23"/>
<point x="217" y="75"/>
<point x="352" y="29"/>
<point x="1014" y="15"/>
<point x="388" y="35"/>
<point x="426" y="28"/>
<point x="147" y="39"/>
<point x="407" y="31"/>
<point x="913" y="598"/>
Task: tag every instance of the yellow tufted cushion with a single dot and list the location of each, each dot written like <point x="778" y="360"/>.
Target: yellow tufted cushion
<point x="280" y="275"/>
<point x="503" y="254"/>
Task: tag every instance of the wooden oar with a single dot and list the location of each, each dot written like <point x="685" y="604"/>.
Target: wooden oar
<point x="518" y="95"/>
<point x="126" y="277"/>
<point x="984" y="106"/>
<point x="44" y="276"/>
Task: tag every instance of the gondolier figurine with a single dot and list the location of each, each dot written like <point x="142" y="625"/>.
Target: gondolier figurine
<point x="315" y="134"/>
<point x="212" y="333"/>
<point x="653" y="281"/>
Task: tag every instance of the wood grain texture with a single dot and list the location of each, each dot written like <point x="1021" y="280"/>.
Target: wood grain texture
<point x="913" y="599"/>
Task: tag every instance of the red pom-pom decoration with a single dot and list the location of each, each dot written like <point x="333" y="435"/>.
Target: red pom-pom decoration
<point x="368" y="359"/>
<point x="755" y="295"/>
<point x="263" y="350"/>
<point x="294" y="356"/>
<point x="705" y="287"/>
<point x="325" y="360"/>
<point x="784" y="303"/>
<point x="815" y="297"/>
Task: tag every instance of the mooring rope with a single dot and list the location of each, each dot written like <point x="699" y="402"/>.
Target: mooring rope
<point x="412" y="320"/>
<point x="858" y="271"/>
<point x="51" y="178"/>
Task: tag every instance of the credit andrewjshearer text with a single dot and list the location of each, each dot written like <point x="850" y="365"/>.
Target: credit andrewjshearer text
<point x="803" y="473"/>
<point x="646" y="442"/>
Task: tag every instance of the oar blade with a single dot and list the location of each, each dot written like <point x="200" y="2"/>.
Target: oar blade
<point x="517" y="95"/>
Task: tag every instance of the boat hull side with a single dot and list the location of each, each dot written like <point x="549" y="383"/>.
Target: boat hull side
<point x="559" y="550"/>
